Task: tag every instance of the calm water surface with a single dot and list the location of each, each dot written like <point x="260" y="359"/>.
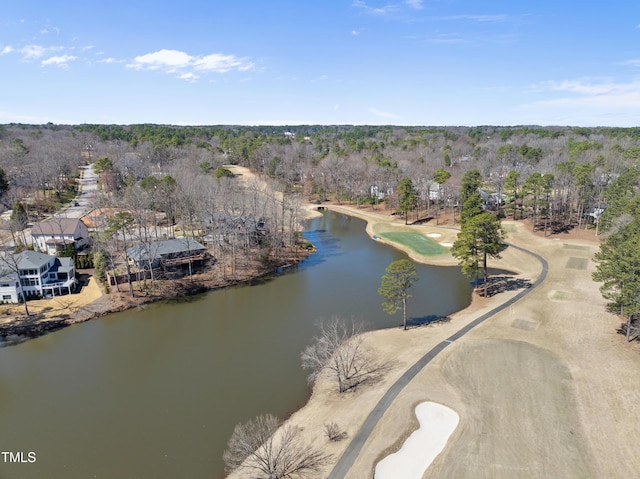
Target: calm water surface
<point x="155" y="393"/>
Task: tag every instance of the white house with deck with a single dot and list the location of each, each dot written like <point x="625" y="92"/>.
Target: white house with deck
<point x="32" y="274"/>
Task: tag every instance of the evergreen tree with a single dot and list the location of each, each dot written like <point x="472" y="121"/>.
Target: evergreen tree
<point x="618" y="267"/>
<point x="400" y="276"/>
<point x="469" y="196"/>
<point x="481" y="237"/>
<point x="4" y="184"/>
<point x="512" y="183"/>
<point x="441" y="176"/>
<point x="407" y="197"/>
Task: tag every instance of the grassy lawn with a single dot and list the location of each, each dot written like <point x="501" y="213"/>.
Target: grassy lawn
<point x="416" y="241"/>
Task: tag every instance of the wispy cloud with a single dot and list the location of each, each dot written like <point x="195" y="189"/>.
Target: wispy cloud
<point x="48" y="30"/>
<point x="478" y="18"/>
<point x="320" y="78"/>
<point x="595" y="94"/>
<point x="355" y="33"/>
<point x="449" y="39"/>
<point x="384" y="114"/>
<point x="61" y="61"/>
<point x="187" y="66"/>
<point x="417" y="4"/>
<point x="591" y="87"/>
<point x="362" y="5"/>
<point x="33" y="52"/>
<point x="634" y="62"/>
<point x="6" y="50"/>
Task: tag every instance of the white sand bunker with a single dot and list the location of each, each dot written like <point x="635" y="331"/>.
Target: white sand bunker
<point x="437" y="423"/>
<point x="447" y="245"/>
<point x="434" y="235"/>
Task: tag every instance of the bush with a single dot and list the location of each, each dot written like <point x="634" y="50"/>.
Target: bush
<point x="333" y="432"/>
<point x="100" y="265"/>
<point x="223" y="172"/>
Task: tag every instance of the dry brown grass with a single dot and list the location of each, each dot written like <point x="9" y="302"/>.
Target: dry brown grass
<point x="546" y="388"/>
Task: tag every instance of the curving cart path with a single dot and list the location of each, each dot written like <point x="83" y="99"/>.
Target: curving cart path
<point x="353" y="449"/>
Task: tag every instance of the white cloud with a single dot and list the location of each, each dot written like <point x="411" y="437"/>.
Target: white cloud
<point x="417" y="4"/>
<point x="384" y="114"/>
<point x="479" y="18"/>
<point x="587" y="102"/>
<point x="221" y="63"/>
<point x="6" y="50"/>
<point x="320" y="78"/>
<point x="603" y="89"/>
<point x="107" y="60"/>
<point x="361" y="4"/>
<point x="634" y="62"/>
<point x="355" y="33"/>
<point x="33" y="52"/>
<point x="61" y="60"/>
<point x="190" y="77"/>
<point x="172" y="61"/>
<point x="47" y="30"/>
<point x="166" y="59"/>
<point x="449" y="38"/>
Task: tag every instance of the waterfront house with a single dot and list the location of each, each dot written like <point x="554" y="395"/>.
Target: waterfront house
<point x="55" y="234"/>
<point x="166" y="253"/>
<point x="39" y="275"/>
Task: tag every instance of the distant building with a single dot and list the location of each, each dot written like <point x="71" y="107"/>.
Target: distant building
<point x="54" y="235"/>
<point x="97" y="219"/>
<point x="38" y="273"/>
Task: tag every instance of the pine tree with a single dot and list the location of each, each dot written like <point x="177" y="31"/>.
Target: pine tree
<point x="407" y="197"/>
<point x="400" y="276"/>
<point x="480" y="238"/>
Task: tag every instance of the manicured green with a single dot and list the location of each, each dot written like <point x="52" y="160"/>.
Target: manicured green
<point x="417" y="242"/>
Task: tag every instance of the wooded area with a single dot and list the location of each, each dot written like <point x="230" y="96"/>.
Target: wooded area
<point x="169" y="181"/>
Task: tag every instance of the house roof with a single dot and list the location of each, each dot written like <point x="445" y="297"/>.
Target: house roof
<point x="56" y="226"/>
<point x="62" y="264"/>
<point x="31" y="259"/>
<point x="157" y="249"/>
<point x="98" y="216"/>
<point x="25" y="260"/>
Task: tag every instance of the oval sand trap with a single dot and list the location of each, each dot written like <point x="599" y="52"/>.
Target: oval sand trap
<point x="437" y="423"/>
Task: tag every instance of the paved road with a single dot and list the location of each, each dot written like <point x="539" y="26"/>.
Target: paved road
<point x="353" y="450"/>
<point x="87" y="194"/>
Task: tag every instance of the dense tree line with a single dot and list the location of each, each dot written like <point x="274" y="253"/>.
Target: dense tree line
<point x="359" y="164"/>
<point x="173" y="181"/>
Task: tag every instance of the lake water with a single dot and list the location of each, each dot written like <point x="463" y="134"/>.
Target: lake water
<point x="155" y="392"/>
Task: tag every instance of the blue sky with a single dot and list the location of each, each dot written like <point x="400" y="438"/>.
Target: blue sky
<point x="404" y="62"/>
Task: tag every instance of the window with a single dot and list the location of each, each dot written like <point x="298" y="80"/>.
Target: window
<point x="6" y="297"/>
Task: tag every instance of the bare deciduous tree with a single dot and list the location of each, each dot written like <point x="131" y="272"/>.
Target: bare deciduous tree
<point x="262" y="447"/>
<point x="339" y="349"/>
<point x="333" y="432"/>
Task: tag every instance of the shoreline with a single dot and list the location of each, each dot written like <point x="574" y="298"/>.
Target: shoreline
<point x="582" y="371"/>
<point x="40" y="323"/>
<point x="352" y="408"/>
